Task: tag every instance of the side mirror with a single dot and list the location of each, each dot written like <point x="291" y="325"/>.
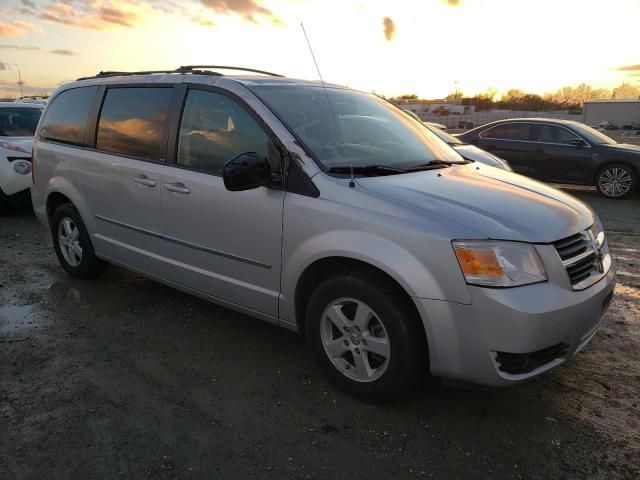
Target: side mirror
<point x="579" y="143"/>
<point x="246" y="171"/>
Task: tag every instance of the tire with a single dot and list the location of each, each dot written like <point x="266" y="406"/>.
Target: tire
<point x="76" y="255"/>
<point x="616" y="181"/>
<point x="385" y="324"/>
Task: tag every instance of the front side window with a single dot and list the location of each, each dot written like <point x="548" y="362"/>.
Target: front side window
<point x="132" y="121"/>
<point x="509" y="131"/>
<point x="353" y="128"/>
<point x="554" y="134"/>
<point x="19" y="122"/>
<point x="66" y="117"/>
<point x="214" y="129"/>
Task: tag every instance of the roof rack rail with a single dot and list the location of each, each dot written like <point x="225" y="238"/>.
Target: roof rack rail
<point x="222" y="67"/>
<point x="192" y="69"/>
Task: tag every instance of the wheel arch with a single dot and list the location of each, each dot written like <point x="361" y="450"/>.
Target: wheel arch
<point x="60" y="191"/>
<point x="326" y="267"/>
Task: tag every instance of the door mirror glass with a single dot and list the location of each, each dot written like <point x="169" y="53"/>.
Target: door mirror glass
<point x="578" y="143"/>
<point x="246" y="171"/>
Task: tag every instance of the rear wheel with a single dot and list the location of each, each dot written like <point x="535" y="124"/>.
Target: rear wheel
<point x="72" y="244"/>
<point x="616" y="181"/>
<point x="365" y="338"/>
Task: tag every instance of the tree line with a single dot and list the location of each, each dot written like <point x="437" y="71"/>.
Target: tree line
<point x="565" y="98"/>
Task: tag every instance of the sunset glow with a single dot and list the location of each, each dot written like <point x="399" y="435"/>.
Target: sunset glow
<point x="421" y="47"/>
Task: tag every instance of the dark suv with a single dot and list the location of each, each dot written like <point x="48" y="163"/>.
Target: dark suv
<point x="562" y="151"/>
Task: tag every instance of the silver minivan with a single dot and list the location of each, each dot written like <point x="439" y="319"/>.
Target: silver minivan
<point x="327" y="211"/>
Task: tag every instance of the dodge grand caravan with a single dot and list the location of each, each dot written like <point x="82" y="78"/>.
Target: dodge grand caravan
<point x="323" y="210"/>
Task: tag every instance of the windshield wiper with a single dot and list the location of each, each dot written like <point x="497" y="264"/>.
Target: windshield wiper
<point x="433" y="164"/>
<point x="367" y="170"/>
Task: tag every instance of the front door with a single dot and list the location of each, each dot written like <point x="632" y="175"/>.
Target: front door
<point x="225" y="244"/>
<point x="560" y="160"/>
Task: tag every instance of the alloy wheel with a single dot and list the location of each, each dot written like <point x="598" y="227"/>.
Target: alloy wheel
<point x="69" y="241"/>
<point x="615" y="182"/>
<point x="355" y="340"/>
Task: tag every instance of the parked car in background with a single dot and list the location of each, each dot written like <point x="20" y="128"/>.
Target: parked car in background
<point x="470" y="152"/>
<point x="562" y="151"/>
<point x="413" y="115"/>
<point x="439" y="126"/>
<point x="18" y="122"/>
<point x="375" y="240"/>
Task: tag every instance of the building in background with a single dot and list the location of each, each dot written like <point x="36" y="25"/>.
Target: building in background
<point x="617" y="112"/>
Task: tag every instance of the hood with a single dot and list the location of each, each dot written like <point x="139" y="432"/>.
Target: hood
<point x="626" y="147"/>
<point x="23" y="142"/>
<point x="471" y="152"/>
<point x="495" y="203"/>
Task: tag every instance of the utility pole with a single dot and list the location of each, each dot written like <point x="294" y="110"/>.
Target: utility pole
<point x="20" y="83"/>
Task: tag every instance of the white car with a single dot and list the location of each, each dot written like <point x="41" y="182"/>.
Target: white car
<point x="18" y="122"/>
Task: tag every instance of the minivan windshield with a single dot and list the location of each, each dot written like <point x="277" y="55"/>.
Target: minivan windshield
<point x="592" y="135"/>
<point x="19" y="122"/>
<point x="374" y="132"/>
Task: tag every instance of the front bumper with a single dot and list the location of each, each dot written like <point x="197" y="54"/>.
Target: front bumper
<point x="469" y="342"/>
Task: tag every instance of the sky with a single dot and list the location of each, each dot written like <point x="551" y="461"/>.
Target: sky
<point x="426" y="47"/>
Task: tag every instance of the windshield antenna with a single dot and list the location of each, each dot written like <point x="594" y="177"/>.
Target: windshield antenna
<point x="352" y="182"/>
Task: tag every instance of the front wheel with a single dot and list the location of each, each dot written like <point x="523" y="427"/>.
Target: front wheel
<point x="616" y="181"/>
<point x="365" y="338"/>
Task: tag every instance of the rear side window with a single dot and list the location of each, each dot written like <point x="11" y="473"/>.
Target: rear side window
<point x="132" y="121"/>
<point x="19" y="122"/>
<point x="67" y="115"/>
<point x="215" y="129"/>
<point x="509" y="131"/>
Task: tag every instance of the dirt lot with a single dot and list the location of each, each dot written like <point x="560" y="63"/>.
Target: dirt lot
<point x="125" y="378"/>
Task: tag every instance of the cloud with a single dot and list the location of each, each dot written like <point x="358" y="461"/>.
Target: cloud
<point x="61" y="51"/>
<point x="18" y="47"/>
<point x="96" y="16"/>
<point x="29" y="48"/>
<point x="628" y="68"/>
<point x="4" y="66"/>
<point x="389" y="28"/>
<point x="249" y="10"/>
<point x="202" y="21"/>
<point x="17" y="28"/>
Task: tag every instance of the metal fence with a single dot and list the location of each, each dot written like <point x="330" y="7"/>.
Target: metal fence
<point x="472" y="120"/>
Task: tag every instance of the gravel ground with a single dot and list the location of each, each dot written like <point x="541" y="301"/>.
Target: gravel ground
<point x="122" y="377"/>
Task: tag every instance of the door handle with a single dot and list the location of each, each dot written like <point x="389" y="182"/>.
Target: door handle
<point x="177" y="188"/>
<point x="145" y="181"/>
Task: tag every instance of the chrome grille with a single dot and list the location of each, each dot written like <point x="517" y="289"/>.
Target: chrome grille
<point x="582" y="257"/>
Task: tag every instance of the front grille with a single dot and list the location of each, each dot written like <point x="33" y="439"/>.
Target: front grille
<point x="519" y="363"/>
<point x="579" y="256"/>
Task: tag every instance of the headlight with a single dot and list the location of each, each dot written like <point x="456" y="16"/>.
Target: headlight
<point x="499" y="264"/>
<point x="22" y="167"/>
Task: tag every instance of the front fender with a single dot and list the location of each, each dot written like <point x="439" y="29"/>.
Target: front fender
<point x="397" y="262"/>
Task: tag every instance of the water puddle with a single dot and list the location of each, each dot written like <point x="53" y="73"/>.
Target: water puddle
<point x="16" y="318"/>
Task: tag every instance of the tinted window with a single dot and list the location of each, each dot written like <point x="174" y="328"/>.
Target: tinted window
<point x="509" y="131"/>
<point x="66" y="116"/>
<point x="215" y="129"/>
<point x="19" y="122"/>
<point x="553" y="134"/>
<point x="132" y="121"/>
